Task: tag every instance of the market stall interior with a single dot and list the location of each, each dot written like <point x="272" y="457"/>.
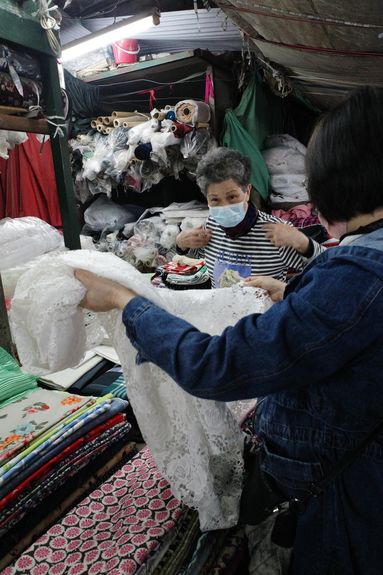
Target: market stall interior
<point x="106" y="109"/>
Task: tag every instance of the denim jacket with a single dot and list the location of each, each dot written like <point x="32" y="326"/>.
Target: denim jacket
<point x="317" y="359"/>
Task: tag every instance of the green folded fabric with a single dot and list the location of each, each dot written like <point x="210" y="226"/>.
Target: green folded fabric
<point x="13" y="381"/>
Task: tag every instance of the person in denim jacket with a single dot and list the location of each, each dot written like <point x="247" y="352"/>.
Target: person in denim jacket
<point x="315" y="356"/>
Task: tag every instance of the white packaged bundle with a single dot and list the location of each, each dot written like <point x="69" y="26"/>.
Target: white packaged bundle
<point x="22" y="239"/>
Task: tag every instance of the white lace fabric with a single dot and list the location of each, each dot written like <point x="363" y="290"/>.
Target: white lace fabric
<point x="196" y="443"/>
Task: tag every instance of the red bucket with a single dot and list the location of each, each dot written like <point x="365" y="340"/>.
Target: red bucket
<point x="125" y="51"/>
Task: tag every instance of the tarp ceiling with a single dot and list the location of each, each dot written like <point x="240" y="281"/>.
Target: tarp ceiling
<point x="326" y="47"/>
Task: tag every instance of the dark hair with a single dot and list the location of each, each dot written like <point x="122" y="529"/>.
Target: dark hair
<point x="221" y="164"/>
<point x="344" y="158"/>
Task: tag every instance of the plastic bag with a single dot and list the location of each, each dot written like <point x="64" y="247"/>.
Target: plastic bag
<point x="284" y="161"/>
<point x="289" y="187"/>
<point x="8" y="140"/>
<point x="285" y="141"/>
<point x="195" y="143"/>
<point x="22" y="239"/>
<point x="103" y="212"/>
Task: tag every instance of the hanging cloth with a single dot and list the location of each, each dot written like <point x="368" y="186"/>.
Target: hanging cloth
<point x="258" y="115"/>
<point x="236" y="137"/>
<point x="28" y="184"/>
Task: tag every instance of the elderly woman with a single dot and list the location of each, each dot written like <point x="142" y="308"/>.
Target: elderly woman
<point x="238" y="237"/>
<point x="316" y="356"/>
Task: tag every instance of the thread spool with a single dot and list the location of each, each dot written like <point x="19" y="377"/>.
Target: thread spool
<point x="143" y="151"/>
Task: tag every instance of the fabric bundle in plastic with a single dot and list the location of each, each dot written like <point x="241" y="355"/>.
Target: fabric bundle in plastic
<point x="192" y="112"/>
<point x="22" y="239"/>
<point x="285" y="159"/>
<point x="10" y="95"/>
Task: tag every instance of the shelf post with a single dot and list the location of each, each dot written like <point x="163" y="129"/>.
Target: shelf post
<point x="60" y="152"/>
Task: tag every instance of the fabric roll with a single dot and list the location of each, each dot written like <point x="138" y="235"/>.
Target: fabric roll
<point x="143" y="151"/>
<point x="180" y="129"/>
<point x="171" y="115"/>
<point x="192" y="112"/>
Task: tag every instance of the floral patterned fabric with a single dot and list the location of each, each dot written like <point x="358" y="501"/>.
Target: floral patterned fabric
<point x="30" y="416"/>
<point x="35" y="457"/>
<point x="38" y="489"/>
<point x="113" y="531"/>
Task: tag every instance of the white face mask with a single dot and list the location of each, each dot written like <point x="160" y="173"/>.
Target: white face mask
<point x="335" y="230"/>
<point x="228" y="216"/>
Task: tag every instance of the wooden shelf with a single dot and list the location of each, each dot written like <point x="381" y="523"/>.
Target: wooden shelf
<point x="20" y="124"/>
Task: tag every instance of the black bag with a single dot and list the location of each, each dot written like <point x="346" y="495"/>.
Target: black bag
<point x="260" y="496"/>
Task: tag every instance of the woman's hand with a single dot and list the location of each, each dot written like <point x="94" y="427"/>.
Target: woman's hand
<point x="102" y="294"/>
<point x="274" y="288"/>
<point x="285" y="235"/>
<point x="194" y="238"/>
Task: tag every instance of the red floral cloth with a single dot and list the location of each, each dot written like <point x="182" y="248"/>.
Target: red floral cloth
<point x="114" y="530"/>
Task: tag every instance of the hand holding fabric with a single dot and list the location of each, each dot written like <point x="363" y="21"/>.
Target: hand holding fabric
<point x="102" y="294"/>
<point x="193" y="238"/>
<point x="274" y="288"/>
<point x="284" y="235"/>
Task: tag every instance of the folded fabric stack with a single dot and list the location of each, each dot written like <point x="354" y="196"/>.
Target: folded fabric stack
<point x="183" y="273"/>
<point x="54" y="447"/>
<point x="195" y="213"/>
<point x="132" y="524"/>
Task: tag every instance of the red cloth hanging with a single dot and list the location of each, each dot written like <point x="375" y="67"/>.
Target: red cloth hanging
<point x="28" y="184"/>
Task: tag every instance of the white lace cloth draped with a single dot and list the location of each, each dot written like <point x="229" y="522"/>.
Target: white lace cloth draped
<point x="197" y="443"/>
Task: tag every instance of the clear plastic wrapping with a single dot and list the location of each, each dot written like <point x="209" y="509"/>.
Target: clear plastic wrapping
<point x="22" y="239"/>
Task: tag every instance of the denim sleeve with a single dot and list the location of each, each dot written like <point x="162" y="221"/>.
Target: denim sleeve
<point x="303" y="339"/>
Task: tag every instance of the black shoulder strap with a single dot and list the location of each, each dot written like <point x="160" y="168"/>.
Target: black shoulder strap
<point x="317" y="488"/>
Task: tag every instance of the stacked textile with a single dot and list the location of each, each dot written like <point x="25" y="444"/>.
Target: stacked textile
<point x="51" y="443"/>
<point x="20" y="78"/>
<point x="132" y="524"/>
<point x="182" y="273"/>
<point x="117" y="529"/>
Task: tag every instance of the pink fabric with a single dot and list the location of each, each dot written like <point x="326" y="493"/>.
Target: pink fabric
<point x="112" y="531"/>
<point x="300" y="216"/>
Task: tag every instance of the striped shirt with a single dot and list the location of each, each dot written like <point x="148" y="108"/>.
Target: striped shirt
<point x="251" y="254"/>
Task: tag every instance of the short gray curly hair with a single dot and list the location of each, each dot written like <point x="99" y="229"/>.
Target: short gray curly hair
<point x="221" y="164"/>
